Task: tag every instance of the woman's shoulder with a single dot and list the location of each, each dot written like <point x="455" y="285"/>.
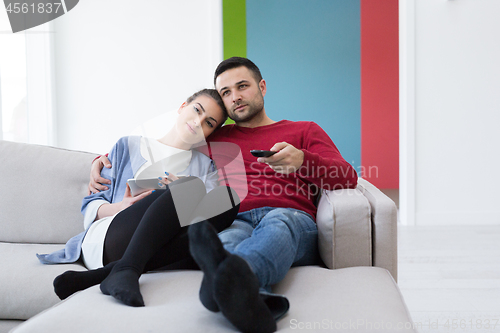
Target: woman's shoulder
<point x="200" y="163"/>
<point x="199" y="156"/>
<point x="125" y="141"/>
<point x="128" y="143"/>
<point x="125" y="147"/>
<point x="130" y="138"/>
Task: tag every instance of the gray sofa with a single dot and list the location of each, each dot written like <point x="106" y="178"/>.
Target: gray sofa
<point x="40" y="196"/>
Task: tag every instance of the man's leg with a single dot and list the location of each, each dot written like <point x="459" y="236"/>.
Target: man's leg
<point x="283" y="237"/>
<point x="229" y="281"/>
<point x="212" y="254"/>
<point x="240" y="230"/>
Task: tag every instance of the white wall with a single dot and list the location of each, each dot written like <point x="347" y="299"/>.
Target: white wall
<point x="457" y="111"/>
<point x="119" y="63"/>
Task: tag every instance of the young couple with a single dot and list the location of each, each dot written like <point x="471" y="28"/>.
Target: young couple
<point x="242" y="247"/>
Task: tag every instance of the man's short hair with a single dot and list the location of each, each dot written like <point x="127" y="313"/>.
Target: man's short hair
<point x="235" y="62"/>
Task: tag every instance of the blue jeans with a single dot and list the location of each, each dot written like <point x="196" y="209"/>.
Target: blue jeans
<point x="271" y="240"/>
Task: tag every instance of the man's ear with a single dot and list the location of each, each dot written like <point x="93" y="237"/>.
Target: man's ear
<point x="182" y="107"/>
<point x="262" y="86"/>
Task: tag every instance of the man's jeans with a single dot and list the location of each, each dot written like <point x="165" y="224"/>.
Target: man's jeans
<point x="271" y="240"/>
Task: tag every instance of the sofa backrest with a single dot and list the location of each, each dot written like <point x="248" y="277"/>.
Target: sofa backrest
<point x="41" y="190"/>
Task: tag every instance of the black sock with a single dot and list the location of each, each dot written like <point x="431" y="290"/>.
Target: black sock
<point x="206" y="249"/>
<point x="236" y="291"/>
<point x="277" y="304"/>
<point x="124" y="286"/>
<point x="70" y="282"/>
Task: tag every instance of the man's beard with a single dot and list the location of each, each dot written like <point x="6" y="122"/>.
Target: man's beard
<point x="253" y="109"/>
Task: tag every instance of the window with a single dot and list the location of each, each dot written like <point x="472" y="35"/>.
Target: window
<point x="27" y="112"/>
<point x="13" y="110"/>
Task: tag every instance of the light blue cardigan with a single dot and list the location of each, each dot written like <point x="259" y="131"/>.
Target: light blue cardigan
<point x="126" y="159"/>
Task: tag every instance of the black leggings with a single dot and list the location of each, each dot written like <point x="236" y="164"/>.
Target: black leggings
<point x="155" y="228"/>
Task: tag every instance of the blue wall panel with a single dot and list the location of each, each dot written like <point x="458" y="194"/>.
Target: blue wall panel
<point x="309" y="54"/>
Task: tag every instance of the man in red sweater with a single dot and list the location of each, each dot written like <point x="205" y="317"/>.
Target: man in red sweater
<point x="276" y="227"/>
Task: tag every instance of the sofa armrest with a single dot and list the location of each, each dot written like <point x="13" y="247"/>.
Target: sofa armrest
<point x="344" y="229"/>
<point x="357" y="227"/>
<point x="384" y="227"/>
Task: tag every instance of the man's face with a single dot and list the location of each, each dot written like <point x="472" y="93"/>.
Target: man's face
<point x="243" y="96"/>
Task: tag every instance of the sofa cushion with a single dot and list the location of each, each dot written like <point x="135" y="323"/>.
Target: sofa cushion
<point x="41" y="192"/>
<point x="25" y="284"/>
<point x="362" y="295"/>
<point x="8" y="325"/>
<point x="361" y="299"/>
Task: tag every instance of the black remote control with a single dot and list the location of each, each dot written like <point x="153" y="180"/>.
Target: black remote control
<point x="262" y="153"/>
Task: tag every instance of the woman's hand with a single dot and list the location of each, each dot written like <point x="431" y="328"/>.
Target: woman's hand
<point x="170" y="177"/>
<point x="96" y="183"/>
<point x="128" y="200"/>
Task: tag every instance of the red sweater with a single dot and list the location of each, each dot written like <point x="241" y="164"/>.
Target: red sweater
<point x="259" y="185"/>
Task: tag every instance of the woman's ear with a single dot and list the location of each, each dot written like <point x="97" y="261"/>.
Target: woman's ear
<point x="182" y="107"/>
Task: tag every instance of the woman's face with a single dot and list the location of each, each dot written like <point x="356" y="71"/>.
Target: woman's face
<point x="198" y="119"/>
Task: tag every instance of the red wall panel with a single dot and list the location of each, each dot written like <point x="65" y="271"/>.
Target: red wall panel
<point x="380" y="92"/>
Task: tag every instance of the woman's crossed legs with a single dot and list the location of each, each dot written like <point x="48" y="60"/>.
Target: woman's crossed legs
<point x="149" y="235"/>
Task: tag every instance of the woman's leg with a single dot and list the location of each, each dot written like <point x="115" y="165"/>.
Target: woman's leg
<point x="70" y="282"/>
<point x="159" y="224"/>
<point x="178" y="207"/>
<point x="175" y="254"/>
<point x="117" y="239"/>
<point x="125" y="223"/>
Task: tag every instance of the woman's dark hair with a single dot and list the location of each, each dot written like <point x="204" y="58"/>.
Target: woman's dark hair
<point x="235" y="62"/>
<point x="212" y="93"/>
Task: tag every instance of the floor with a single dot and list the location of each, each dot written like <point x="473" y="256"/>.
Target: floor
<point x="450" y="276"/>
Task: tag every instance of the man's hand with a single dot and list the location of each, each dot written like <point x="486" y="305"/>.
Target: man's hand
<point x="96" y="183"/>
<point x="288" y="159"/>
